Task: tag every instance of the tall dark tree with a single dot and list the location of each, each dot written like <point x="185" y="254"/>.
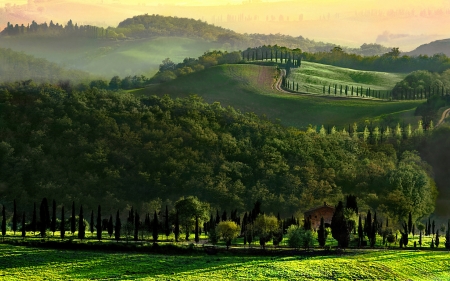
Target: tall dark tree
<point x="155" y="227"/>
<point x="14" y="218"/>
<point x="224" y="216"/>
<point x="352" y="203"/>
<point x="447" y="236"/>
<point x="166" y="223"/>
<point x="3" y="222"/>
<point x="339" y="228"/>
<point x="410" y="223"/>
<point x="321" y="237"/>
<point x="110" y="226"/>
<point x="368" y="224"/>
<point x="433" y="228"/>
<point x="373" y="231"/>
<point x="53" y="223"/>
<point x="99" y="226"/>
<point x="23" y="226"/>
<point x="34" y="220"/>
<point x="72" y="219"/>
<point x="117" y="227"/>
<point x="197" y="239"/>
<point x="81" y="226"/>
<point x="437" y="239"/>
<point x="63" y="224"/>
<point x="177" y="227"/>
<point x="91" y="224"/>
<point x="136" y="226"/>
<point x="360" y="230"/>
<point x="44" y="217"/>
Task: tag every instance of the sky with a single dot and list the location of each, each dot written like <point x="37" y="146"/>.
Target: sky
<point x="404" y="24"/>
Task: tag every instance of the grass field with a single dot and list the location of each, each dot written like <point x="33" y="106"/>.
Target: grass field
<point x="23" y="263"/>
<point x="249" y="88"/>
<point x="311" y="78"/>
<point x="110" y="57"/>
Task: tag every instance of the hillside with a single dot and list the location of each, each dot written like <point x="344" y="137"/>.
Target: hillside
<point x="249" y="88"/>
<point x="432" y="48"/>
<point x="313" y="76"/>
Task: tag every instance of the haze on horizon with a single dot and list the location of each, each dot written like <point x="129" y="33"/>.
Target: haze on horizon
<point x="404" y="24"/>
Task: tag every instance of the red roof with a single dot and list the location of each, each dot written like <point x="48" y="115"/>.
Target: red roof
<point x="318" y="208"/>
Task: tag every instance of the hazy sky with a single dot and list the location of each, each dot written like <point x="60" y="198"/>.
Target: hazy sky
<point x="404" y="24"/>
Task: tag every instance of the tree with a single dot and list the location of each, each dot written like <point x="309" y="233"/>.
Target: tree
<point x="72" y="219"/>
<point x="298" y="237"/>
<point x="115" y="83"/>
<point x="197" y="239"/>
<point x="44" y="216"/>
<point x="189" y="209"/>
<point x="63" y="224"/>
<point x="437" y="239"/>
<point x="81" y="226"/>
<point x="53" y="223"/>
<point x="322" y="233"/>
<point x="91" y="224"/>
<point x="99" y="223"/>
<point x="136" y="226"/>
<point x="166" y="223"/>
<point x="23" y="226"/>
<point x="360" y="230"/>
<point x="340" y="229"/>
<point x="155" y="227"/>
<point x="34" y="220"/>
<point x="227" y="231"/>
<point x="265" y="226"/>
<point x="447" y="236"/>
<point x="110" y="226"/>
<point x="3" y="222"/>
<point x="410" y="223"/>
<point x="177" y="227"/>
<point x="14" y="219"/>
<point x="117" y="227"/>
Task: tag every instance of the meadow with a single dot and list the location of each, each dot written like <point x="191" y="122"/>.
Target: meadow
<point x="311" y="78"/>
<point x="27" y="263"/>
<point x="249" y="88"/>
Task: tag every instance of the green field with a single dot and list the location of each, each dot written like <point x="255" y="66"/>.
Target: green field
<point x="311" y="78"/>
<point x="23" y="263"/>
<point x="249" y="88"/>
<point x="106" y="58"/>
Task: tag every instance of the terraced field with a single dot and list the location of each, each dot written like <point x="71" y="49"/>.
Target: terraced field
<point x="249" y="88"/>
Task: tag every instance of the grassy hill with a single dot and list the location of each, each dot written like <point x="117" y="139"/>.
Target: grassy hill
<point x="432" y="48"/>
<point x="311" y="78"/>
<point x="44" y="264"/>
<point x="110" y="57"/>
<point x="249" y="88"/>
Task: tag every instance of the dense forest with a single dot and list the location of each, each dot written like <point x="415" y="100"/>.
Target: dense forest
<point x="16" y="66"/>
<point x="110" y="148"/>
<point x="150" y="26"/>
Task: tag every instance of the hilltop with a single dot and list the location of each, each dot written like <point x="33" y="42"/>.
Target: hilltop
<point x="432" y="48"/>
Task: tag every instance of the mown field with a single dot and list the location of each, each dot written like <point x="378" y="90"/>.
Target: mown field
<point x="249" y="88"/>
<point x="26" y="263"/>
<point x="107" y="58"/>
<point x="311" y="78"/>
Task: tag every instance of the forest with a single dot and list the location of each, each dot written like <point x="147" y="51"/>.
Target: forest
<point x="111" y="148"/>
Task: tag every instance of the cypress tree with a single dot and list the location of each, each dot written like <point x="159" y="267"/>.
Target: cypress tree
<point x="81" y="226"/>
<point x="166" y="223"/>
<point x="224" y="216"/>
<point x="410" y="223"/>
<point x="321" y="233"/>
<point x="447" y="236"/>
<point x="44" y="216"/>
<point x="177" y="227"/>
<point x="91" y="224"/>
<point x="3" y="222"/>
<point x="373" y="234"/>
<point x="110" y="226"/>
<point x="197" y="239"/>
<point x="217" y="217"/>
<point x="339" y="227"/>
<point x="99" y="223"/>
<point x="117" y="227"/>
<point x="432" y="228"/>
<point x="72" y="219"/>
<point x="437" y="239"/>
<point x="368" y="224"/>
<point x="23" y="226"/>
<point x="63" y="224"/>
<point x="136" y="226"/>
<point x="420" y="238"/>
<point x="155" y="227"/>
<point x="14" y="219"/>
<point x="360" y="230"/>
<point x="53" y="223"/>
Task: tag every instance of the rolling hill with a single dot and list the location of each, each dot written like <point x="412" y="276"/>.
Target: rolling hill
<point x="432" y="48"/>
<point x="249" y="88"/>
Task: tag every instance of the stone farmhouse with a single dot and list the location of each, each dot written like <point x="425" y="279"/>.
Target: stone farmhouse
<point x="315" y="214"/>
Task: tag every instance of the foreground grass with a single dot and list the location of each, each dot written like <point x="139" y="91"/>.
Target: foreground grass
<point x="311" y="78"/>
<point x="22" y="263"/>
<point x="249" y="88"/>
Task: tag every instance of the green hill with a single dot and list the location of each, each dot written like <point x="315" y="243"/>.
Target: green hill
<point x="249" y="88"/>
<point x="311" y="78"/>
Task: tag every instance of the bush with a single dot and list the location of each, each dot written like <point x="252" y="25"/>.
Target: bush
<point x="299" y="238"/>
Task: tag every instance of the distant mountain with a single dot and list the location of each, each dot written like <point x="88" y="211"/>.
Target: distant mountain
<point x="435" y="47"/>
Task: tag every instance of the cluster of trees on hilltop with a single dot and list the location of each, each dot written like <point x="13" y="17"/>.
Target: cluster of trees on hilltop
<point x="52" y="29"/>
<point x="115" y="148"/>
<point x="15" y="66"/>
<point x="389" y="62"/>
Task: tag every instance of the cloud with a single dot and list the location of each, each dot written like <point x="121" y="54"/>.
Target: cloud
<point x="388" y="37"/>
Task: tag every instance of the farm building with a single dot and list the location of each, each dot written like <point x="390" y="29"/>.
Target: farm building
<point x="314" y="215"/>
